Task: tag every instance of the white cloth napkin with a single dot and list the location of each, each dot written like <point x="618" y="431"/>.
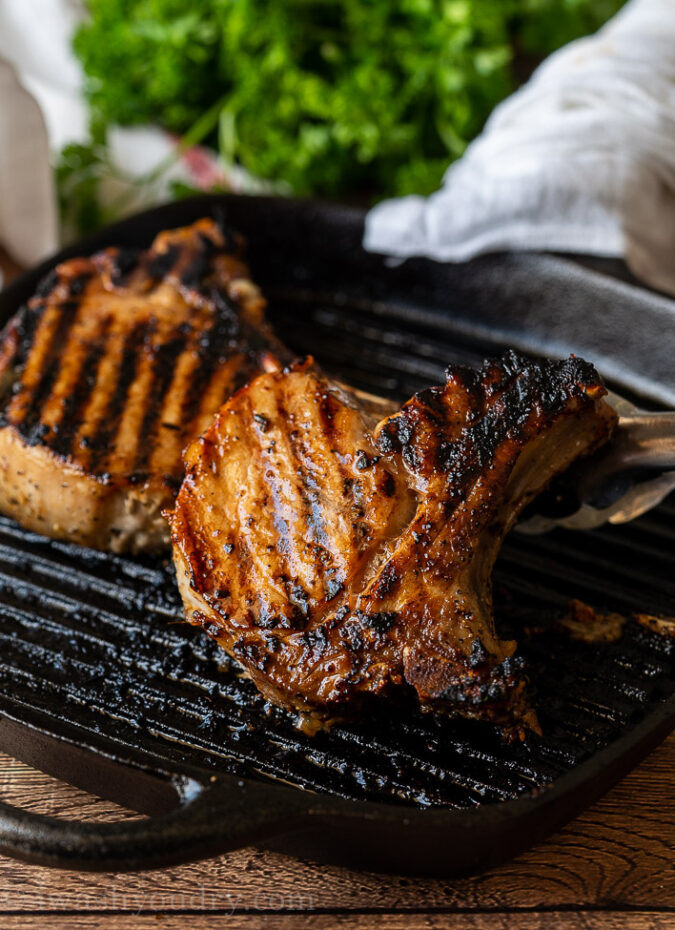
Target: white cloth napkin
<point x="42" y="107"/>
<point x="28" y="220"/>
<point x="581" y="159"/>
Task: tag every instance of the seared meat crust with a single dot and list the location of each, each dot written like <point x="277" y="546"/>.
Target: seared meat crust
<point x="336" y="557"/>
<point x="110" y="370"/>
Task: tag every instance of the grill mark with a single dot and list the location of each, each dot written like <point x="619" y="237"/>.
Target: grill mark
<point x="73" y="407"/>
<point x="164" y="366"/>
<point x="296" y="466"/>
<point x="14" y="345"/>
<point x="232" y="372"/>
<point x="216" y="344"/>
<point x="328" y="436"/>
<point x="244" y="562"/>
<point x="310" y="514"/>
<point x="29" y="424"/>
<point x="351" y="539"/>
<point x="205" y="365"/>
<point x="331" y="572"/>
<point x="87" y="333"/>
<point x="26" y="325"/>
<point x="273" y="517"/>
<point x="110" y="421"/>
<point x="225" y="380"/>
<point x="281" y="529"/>
<point x="329" y="537"/>
<point x="286" y="545"/>
<point x="328" y="407"/>
<point x="173" y="432"/>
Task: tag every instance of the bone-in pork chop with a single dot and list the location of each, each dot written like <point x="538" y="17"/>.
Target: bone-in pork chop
<point x="337" y="557"/>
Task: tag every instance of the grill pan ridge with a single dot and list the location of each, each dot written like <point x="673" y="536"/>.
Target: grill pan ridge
<point x="101" y="682"/>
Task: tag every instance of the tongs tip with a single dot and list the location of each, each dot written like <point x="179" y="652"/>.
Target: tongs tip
<point x="632" y="474"/>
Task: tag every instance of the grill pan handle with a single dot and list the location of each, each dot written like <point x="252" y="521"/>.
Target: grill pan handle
<point x="215" y="819"/>
<point x="229" y="814"/>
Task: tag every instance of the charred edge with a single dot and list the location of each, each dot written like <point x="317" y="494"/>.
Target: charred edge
<point x="72" y="411"/>
<point x="122" y="263"/>
<point x="100" y="442"/>
<point x="173" y="483"/>
<point x="30" y="427"/>
<point x="194" y="272"/>
<point x="547" y="385"/>
<point x="159" y="266"/>
<point x="78" y="284"/>
<point x="505" y="398"/>
<point x="498" y="684"/>
<point x="315" y="644"/>
<point x="246" y="370"/>
<point x="232" y="242"/>
<point x="260" y="342"/>
<point x="525" y="390"/>
<point x="164" y="368"/>
<point x="212" y="246"/>
<point x="380" y="621"/>
<point x="227" y="330"/>
<point x="46" y="285"/>
<point x="69" y="287"/>
<point x="198" y="266"/>
<point x="192" y="553"/>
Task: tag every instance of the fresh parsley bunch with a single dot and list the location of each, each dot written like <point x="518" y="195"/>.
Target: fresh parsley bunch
<point x="344" y="98"/>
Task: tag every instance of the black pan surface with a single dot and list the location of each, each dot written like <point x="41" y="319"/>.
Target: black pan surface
<point x="102" y="685"/>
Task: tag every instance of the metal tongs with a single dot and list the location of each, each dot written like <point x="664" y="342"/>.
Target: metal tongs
<point x="634" y="472"/>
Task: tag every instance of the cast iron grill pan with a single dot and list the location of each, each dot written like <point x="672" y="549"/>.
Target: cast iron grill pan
<point x="102" y="684"/>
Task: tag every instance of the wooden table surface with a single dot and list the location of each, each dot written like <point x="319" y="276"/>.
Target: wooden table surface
<point x="612" y="867"/>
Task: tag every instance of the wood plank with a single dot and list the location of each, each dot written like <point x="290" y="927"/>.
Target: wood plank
<point x="34" y="791"/>
<point x="620" y="853"/>
<point x="548" y="920"/>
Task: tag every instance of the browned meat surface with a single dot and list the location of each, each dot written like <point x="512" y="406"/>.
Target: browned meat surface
<point x="111" y="369"/>
<point x="336" y="557"/>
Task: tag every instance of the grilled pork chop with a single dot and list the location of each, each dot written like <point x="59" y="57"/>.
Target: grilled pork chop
<point x="336" y="557"/>
<point x="110" y="370"/>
